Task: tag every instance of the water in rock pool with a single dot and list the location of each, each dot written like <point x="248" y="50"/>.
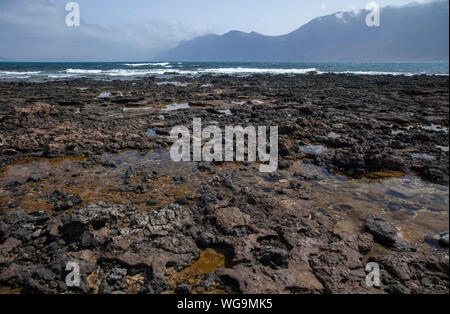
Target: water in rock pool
<point x="148" y="180"/>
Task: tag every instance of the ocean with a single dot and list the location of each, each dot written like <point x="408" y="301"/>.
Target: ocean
<point x="13" y="71"/>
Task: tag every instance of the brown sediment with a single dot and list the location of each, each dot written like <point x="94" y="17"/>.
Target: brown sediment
<point x="348" y="224"/>
<point x="93" y="281"/>
<point x="135" y="284"/>
<point x="96" y="183"/>
<point x="99" y="183"/>
<point x="384" y="175"/>
<point x="8" y="290"/>
<point x="378" y="250"/>
<point x="209" y="261"/>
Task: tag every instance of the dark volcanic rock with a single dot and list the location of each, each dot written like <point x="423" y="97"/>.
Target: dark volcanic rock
<point x="386" y="233"/>
<point x="276" y="240"/>
<point x="273" y="256"/>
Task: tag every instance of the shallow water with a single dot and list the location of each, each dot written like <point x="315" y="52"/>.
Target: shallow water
<point x="125" y="109"/>
<point x="333" y="135"/>
<point x="423" y="156"/>
<point x="178" y="84"/>
<point x="210" y="260"/>
<point x="226" y="112"/>
<point x="313" y="149"/>
<point x="174" y="107"/>
<point x="98" y="183"/>
<point x="418" y="207"/>
<point x="104" y="95"/>
<point x="432" y="127"/>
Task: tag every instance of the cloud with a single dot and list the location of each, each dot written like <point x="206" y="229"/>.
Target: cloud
<point x="341" y="16"/>
<point x="35" y="30"/>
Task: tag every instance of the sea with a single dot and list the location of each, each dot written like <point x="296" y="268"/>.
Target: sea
<point x="41" y="71"/>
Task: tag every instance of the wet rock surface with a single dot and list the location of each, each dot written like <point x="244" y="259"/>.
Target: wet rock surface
<point x="377" y="124"/>
<point x="211" y="230"/>
<point x="275" y="244"/>
<point x="386" y="233"/>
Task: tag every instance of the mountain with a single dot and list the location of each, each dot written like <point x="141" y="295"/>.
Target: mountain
<point x="415" y="32"/>
<point x="3" y="59"/>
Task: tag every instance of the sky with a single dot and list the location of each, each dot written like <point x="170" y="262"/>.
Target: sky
<point x="263" y="16"/>
<point x="135" y="30"/>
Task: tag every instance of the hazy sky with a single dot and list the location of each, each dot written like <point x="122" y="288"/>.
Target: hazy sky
<point x="264" y="16"/>
<point x="135" y="30"/>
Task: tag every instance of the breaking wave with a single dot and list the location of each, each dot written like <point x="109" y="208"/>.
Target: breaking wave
<point x="55" y="71"/>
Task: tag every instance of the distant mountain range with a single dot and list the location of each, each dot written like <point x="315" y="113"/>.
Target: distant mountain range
<point x="415" y="32"/>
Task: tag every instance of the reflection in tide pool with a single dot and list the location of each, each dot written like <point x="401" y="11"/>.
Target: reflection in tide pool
<point x="418" y="207"/>
<point x="333" y="135"/>
<point x="126" y="178"/>
<point x="104" y="95"/>
<point x="226" y="112"/>
<point x="174" y="107"/>
<point x="313" y="149"/>
<point x="432" y="127"/>
<point x="174" y="83"/>
<point x="423" y="156"/>
<point x="125" y="109"/>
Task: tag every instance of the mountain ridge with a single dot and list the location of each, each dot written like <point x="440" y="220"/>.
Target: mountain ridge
<point x="415" y="32"/>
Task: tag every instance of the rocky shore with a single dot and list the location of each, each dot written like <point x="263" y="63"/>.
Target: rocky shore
<point x="77" y="183"/>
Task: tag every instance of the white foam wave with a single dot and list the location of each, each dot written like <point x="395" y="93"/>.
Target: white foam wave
<point x="155" y="64"/>
<point x="12" y="73"/>
<point x="121" y="72"/>
<point x="385" y="73"/>
<point x="80" y="71"/>
<point x="374" y="73"/>
<point x="240" y="70"/>
<point x="60" y="76"/>
<point x="116" y="72"/>
<point x="162" y="68"/>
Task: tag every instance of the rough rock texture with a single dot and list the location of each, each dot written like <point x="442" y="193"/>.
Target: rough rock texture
<point x="271" y="240"/>
<point x="276" y="243"/>
<point x="381" y="123"/>
<point x="386" y="233"/>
